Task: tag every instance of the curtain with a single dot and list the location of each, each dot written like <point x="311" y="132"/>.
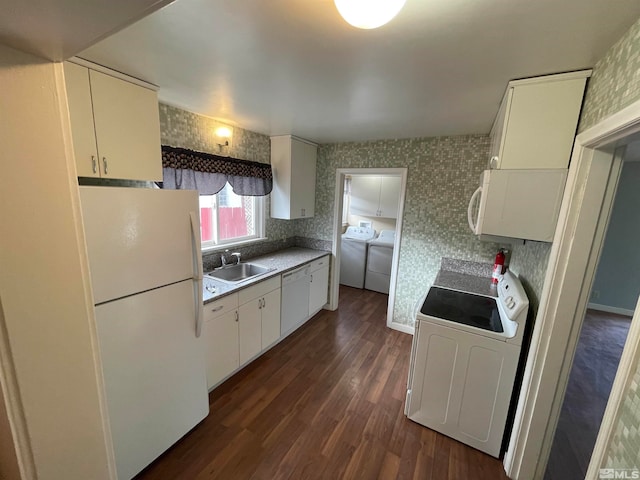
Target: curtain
<point x="184" y="169"/>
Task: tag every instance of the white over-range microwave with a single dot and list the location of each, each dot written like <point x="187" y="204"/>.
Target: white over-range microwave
<point x="518" y="204"/>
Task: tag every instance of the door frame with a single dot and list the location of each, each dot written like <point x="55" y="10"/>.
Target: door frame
<point x="591" y="184"/>
<point x="341" y="173"/>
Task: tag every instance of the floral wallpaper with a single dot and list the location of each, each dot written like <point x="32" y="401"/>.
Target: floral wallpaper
<point x="615" y="82"/>
<point x="179" y="128"/>
<point x="443" y="173"/>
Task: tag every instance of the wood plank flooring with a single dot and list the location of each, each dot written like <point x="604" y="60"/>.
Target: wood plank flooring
<point x="594" y="368"/>
<point x="326" y="403"/>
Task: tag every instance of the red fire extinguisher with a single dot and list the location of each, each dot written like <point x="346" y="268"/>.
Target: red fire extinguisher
<point x="498" y="267"/>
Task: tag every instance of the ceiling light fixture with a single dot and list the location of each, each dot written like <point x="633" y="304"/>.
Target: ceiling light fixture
<point x="368" y="14"/>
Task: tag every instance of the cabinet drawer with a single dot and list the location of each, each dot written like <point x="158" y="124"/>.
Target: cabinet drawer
<point x="220" y="307"/>
<point x="320" y="263"/>
<point x="259" y="289"/>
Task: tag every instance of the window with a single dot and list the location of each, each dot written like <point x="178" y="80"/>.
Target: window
<point x="227" y="218"/>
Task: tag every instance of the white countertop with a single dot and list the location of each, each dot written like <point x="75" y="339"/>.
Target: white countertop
<point x="281" y="261"/>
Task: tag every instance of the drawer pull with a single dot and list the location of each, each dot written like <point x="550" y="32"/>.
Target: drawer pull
<point x="218" y="308"/>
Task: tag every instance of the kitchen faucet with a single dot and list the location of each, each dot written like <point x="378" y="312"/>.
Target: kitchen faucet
<point x="223" y="257"/>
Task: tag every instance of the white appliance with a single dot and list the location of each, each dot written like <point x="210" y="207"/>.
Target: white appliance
<point x="520" y="204"/>
<point x="295" y="299"/>
<point x="465" y="354"/>
<point x="146" y="275"/>
<point x="353" y="255"/>
<point x="379" y="260"/>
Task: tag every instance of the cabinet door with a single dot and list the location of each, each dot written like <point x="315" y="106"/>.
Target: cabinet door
<point x="389" y="197"/>
<point x="319" y="289"/>
<point x="250" y="330"/>
<point x="127" y="127"/>
<point x="541" y="125"/>
<point x="303" y="179"/>
<point x="271" y="318"/>
<point x="497" y="131"/>
<point x="222" y="347"/>
<point x="81" y="116"/>
<point x="365" y="195"/>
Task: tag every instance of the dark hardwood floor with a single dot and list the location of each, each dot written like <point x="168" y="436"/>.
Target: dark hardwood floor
<point x="326" y="403"/>
<point x="594" y="368"/>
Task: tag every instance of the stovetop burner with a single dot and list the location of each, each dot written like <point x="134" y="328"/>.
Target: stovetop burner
<point x="465" y="308"/>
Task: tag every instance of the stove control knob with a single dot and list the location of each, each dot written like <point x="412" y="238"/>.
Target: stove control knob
<point x="510" y="304"/>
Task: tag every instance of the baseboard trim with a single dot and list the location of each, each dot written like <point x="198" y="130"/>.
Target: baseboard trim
<point x="608" y="309"/>
<point x="401" y="327"/>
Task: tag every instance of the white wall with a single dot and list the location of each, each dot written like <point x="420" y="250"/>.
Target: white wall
<point x="44" y="285"/>
<point x="617" y="280"/>
<point x="9" y="467"/>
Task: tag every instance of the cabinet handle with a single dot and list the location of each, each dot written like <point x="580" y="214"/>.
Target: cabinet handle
<point x="104" y="164"/>
<point x="237" y="316"/>
<point x="259" y="304"/>
<point x="312" y="278"/>
<point x="218" y="308"/>
<point x="94" y="164"/>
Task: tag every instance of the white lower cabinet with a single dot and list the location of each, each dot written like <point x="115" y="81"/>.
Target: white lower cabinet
<point x="250" y="326"/>
<point x="240" y="326"/>
<point x="259" y="314"/>
<point x="319" y="285"/>
<point x="271" y="318"/>
<point x="221" y="338"/>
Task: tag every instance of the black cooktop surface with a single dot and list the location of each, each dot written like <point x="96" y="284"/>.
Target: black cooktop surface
<point x="465" y="308"/>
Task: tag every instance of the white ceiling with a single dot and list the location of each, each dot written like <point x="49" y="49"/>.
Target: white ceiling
<point x="57" y="29"/>
<point x="294" y="66"/>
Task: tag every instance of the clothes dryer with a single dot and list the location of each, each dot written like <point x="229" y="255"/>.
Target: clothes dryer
<point x="379" y="260"/>
<point x="353" y="255"/>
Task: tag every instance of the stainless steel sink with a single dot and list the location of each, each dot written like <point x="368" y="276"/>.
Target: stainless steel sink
<point x="239" y="272"/>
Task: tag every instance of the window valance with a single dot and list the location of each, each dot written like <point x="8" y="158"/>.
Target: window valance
<point x="185" y="169"/>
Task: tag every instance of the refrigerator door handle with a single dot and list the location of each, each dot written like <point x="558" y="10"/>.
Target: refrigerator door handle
<point x="197" y="268"/>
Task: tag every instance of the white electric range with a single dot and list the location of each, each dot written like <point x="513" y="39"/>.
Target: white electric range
<point x="464" y="359"/>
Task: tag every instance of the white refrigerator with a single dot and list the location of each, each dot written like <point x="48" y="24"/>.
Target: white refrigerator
<point x="146" y="274"/>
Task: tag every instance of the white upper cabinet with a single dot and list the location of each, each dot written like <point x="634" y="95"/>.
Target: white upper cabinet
<point x="375" y="196"/>
<point x="293" y="161"/>
<point x="115" y="126"/>
<point x="537" y="121"/>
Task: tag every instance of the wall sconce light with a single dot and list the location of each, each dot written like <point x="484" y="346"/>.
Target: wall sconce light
<point x="223" y="135"/>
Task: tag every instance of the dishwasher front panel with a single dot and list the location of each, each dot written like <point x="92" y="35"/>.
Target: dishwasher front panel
<point x="295" y="299"/>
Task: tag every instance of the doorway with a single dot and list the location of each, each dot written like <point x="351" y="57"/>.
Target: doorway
<point x="591" y="186"/>
<point x="604" y="330"/>
<point x="362" y="217"/>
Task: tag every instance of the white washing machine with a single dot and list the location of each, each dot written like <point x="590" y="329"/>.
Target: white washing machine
<point x="379" y="259"/>
<point x="353" y="255"/>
